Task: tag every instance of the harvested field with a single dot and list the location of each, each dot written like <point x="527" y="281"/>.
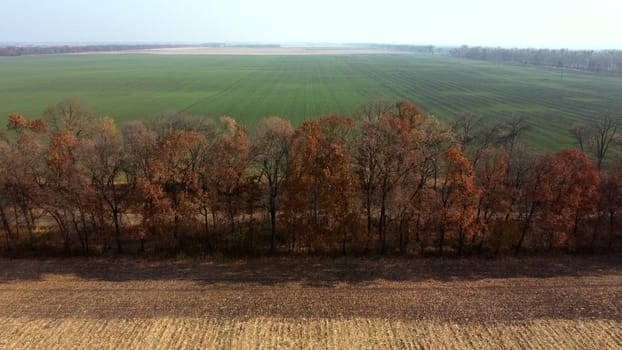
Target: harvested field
<point x="564" y="302"/>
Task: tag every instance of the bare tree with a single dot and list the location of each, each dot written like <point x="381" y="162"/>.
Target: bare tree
<point x="70" y="114"/>
<point x="604" y="131"/>
<point x="579" y="132"/>
<point x="511" y="131"/>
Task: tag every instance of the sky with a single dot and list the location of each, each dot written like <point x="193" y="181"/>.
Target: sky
<point x="574" y="24"/>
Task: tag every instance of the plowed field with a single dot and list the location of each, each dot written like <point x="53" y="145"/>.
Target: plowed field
<point x="561" y="303"/>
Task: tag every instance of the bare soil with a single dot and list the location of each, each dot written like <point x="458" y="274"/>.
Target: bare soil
<point x="533" y="302"/>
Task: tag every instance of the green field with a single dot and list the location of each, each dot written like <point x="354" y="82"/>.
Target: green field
<point x="299" y="87"/>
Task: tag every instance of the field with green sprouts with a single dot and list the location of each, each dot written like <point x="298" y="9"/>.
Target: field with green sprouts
<point x="247" y="87"/>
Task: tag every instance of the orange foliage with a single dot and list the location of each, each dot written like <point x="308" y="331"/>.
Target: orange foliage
<point x="569" y="194"/>
<point x="16" y="122"/>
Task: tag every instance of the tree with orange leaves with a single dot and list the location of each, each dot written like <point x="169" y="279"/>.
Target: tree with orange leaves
<point x="571" y="195"/>
<point x="456" y="200"/>
<point x="22" y="159"/>
<point x="180" y="154"/>
<point x="494" y="205"/>
<point x="321" y="188"/>
<point x="384" y="157"/>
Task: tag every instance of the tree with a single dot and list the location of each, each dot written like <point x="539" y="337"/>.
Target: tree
<point x="510" y="133"/>
<point x="180" y="154"/>
<point x="148" y="199"/>
<point x="530" y="195"/>
<point x="578" y="132"/>
<point x="70" y="114"/>
<point x="22" y="156"/>
<point x="229" y="168"/>
<point x="473" y="137"/>
<point x="385" y="155"/>
<point x="494" y="200"/>
<point x="61" y="182"/>
<point x="5" y="160"/>
<point x="609" y="209"/>
<point x="573" y="183"/>
<point x="320" y="184"/>
<point x="604" y="131"/>
<point x="103" y="161"/>
<point x="456" y="192"/>
<point x="269" y="154"/>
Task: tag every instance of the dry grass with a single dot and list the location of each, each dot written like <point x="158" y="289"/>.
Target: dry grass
<point x="560" y="303"/>
<point x="270" y="333"/>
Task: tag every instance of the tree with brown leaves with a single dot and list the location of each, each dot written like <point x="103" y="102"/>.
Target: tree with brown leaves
<point x="270" y="152"/>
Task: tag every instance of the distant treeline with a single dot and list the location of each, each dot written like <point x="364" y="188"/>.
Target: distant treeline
<point x="405" y="48"/>
<point x="46" y="50"/>
<point x="397" y="181"/>
<point x="607" y="61"/>
<point x="250" y="46"/>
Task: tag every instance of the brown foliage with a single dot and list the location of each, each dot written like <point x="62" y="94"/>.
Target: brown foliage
<point x="415" y="184"/>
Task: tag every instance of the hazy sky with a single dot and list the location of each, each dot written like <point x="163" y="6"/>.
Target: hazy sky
<point x="517" y="23"/>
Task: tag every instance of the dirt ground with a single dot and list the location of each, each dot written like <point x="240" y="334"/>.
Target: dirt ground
<point x="563" y="302"/>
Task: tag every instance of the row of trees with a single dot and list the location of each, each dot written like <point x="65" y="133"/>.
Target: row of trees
<point x="51" y="49"/>
<point x="606" y="61"/>
<point x="398" y="181"/>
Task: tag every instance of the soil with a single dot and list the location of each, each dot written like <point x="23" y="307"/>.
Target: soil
<point x="462" y="291"/>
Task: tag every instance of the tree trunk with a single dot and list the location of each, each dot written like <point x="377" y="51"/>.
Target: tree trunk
<point x="611" y="229"/>
<point x="29" y="226"/>
<point x="368" y="207"/>
<point x="460" y="241"/>
<point x="441" y="239"/>
<point x="524" y="229"/>
<point x="383" y="219"/>
<point x="272" y="223"/>
<point x="595" y="233"/>
<point x="64" y="231"/>
<point x="206" y="229"/>
<point x="7" y="229"/>
<point x="343" y="243"/>
<point x="232" y="220"/>
<point x="117" y="230"/>
<point x="76" y="227"/>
